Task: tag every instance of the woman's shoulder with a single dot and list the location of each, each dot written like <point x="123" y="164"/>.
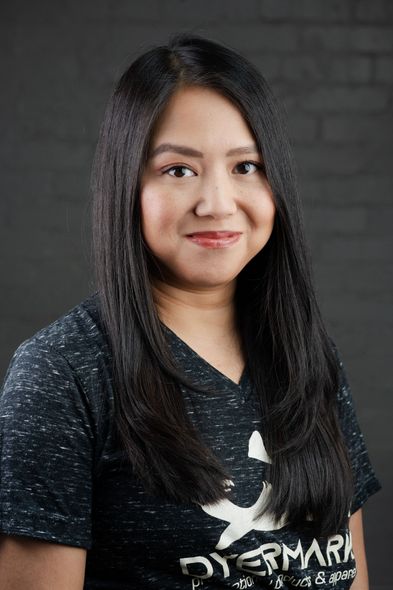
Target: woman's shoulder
<point x="76" y="334"/>
<point x="74" y="345"/>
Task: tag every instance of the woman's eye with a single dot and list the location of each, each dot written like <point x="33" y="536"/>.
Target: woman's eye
<point x="248" y="167"/>
<point x="179" y="171"/>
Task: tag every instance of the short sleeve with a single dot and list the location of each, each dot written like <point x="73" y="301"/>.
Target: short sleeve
<point x="365" y="481"/>
<point x="46" y="449"/>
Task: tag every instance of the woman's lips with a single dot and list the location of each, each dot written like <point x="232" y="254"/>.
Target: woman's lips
<point x="214" y="239"/>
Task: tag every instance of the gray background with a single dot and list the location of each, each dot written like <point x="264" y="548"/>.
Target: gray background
<point x="331" y="64"/>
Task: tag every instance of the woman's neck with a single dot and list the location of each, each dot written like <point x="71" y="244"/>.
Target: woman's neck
<point x="206" y="321"/>
<point x="196" y="311"/>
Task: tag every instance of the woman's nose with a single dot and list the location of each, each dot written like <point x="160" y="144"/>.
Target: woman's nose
<point x="216" y="199"/>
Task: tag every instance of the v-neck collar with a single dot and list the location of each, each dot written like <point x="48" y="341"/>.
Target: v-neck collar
<point x="203" y="363"/>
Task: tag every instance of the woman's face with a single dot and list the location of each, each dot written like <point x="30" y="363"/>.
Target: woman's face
<point x="207" y="208"/>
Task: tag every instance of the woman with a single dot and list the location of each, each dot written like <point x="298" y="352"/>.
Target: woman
<point x="189" y="425"/>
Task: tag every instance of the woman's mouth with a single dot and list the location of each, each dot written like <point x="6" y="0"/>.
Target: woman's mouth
<point x="214" y="239"/>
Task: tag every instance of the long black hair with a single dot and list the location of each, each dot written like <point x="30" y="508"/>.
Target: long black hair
<point x="291" y="360"/>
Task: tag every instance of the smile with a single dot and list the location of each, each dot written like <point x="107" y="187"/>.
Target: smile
<point x="214" y="239"/>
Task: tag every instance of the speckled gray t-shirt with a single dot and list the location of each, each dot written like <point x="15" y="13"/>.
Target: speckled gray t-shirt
<point x="62" y="479"/>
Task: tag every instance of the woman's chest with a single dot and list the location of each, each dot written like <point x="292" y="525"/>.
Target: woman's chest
<point x="231" y="542"/>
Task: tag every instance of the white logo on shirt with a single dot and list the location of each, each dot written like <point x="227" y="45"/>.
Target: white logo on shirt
<point x="243" y="520"/>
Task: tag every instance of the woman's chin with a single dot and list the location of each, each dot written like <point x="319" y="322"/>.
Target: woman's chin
<point x="195" y="277"/>
<point x="206" y="281"/>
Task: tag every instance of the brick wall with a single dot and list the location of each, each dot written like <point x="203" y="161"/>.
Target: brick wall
<point x="330" y="62"/>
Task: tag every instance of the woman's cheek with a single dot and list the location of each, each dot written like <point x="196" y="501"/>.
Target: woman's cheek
<point x="157" y="212"/>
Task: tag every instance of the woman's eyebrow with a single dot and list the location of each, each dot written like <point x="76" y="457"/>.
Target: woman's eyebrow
<point x="188" y="151"/>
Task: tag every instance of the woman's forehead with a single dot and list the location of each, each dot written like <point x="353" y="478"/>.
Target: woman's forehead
<point x="200" y="118"/>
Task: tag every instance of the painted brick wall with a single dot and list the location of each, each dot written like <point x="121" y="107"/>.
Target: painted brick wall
<point x="330" y="62"/>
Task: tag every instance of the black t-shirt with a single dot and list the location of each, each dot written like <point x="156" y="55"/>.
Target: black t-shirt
<point x="62" y="478"/>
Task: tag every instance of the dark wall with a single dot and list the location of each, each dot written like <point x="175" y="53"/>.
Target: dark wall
<point x="330" y="62"/>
